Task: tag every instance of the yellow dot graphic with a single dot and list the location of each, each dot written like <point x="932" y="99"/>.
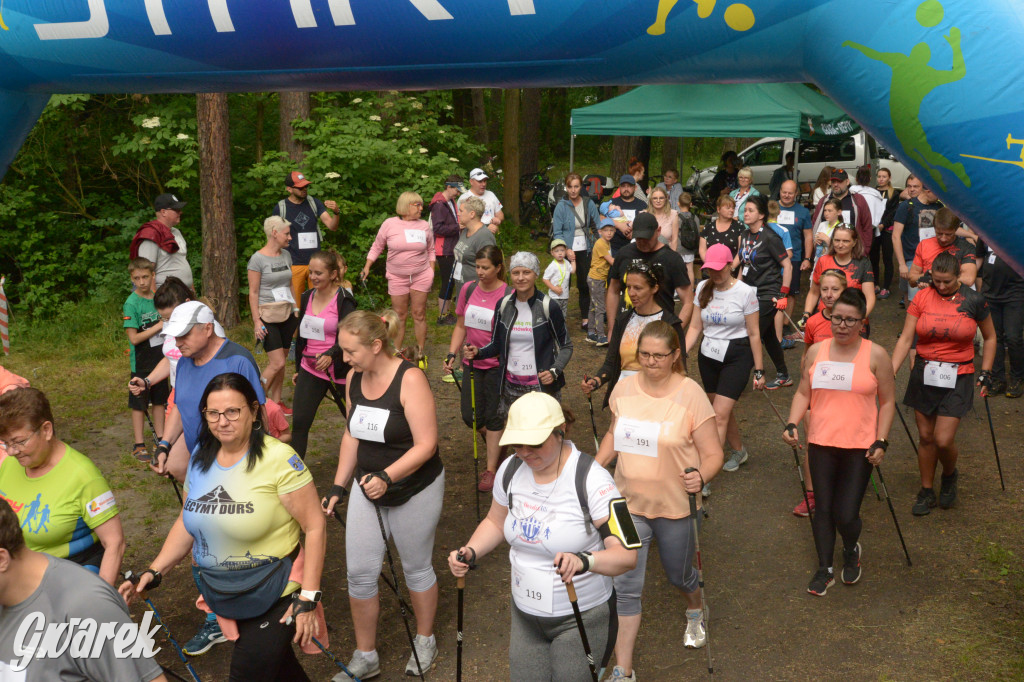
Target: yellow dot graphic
<point x="739" y="17"/>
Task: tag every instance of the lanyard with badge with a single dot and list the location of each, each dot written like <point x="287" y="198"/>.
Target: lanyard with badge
<point x="748" y="249"/>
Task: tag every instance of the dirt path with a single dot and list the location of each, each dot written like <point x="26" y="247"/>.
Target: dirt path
<point x="955" y="614"/>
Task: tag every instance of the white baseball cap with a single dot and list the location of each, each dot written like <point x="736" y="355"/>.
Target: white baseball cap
<point x="188" y="315"/>
<point x="477" y="174"/>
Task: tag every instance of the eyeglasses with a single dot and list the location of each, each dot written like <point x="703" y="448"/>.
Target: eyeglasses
<point x="416" y="203"/>
<point x="231" y="414"/>
<point x="846" y="321"/>
<point x="19" y="445"/>
<point x="658" y="357"/>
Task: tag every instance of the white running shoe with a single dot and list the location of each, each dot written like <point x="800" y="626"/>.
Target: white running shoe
<point x="696" y="635"/>
<point x="362" y="666"/>
<point x="426" y="649"/>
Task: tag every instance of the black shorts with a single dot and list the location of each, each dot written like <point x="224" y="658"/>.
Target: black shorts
<point x="279" y="334"/>
<point x="794" y="281"/>
<point x="932" y="401"/>
<point x="445" y="265"/>
<point x="486" y="390"/>
<point x="157" y="395"/>
<point x="731" y="376"/>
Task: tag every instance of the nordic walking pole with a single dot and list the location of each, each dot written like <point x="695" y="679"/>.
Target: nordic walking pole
<point x="571" y="589"/>
<point x="476" y="454"/>
<point x="460" y="584"/>
<point x="134" y="580"/>
<point x="995" y="447"/>
<point x="447" y="294"/>
<point x="910" y="436"/>
<point x="394" y="576"/>
<point x="593" y="423"/>
<point x="796" y="457"/>
<point x="337" y="661"/>
<point x="174" y="483"/>
<point x="700" y="573"/>
<point x="893" y="512"/>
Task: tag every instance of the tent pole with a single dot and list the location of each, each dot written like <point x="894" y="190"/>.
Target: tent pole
<point x="572" y="151"/>
<point x="796" y="166"/>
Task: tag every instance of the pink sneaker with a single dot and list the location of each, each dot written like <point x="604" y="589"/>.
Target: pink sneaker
<point x="801" y="509"/>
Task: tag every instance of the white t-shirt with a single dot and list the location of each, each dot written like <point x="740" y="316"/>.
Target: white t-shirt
<point x="545" y="520"/>
<point x="522" y="355"/>
<point x="558" y="274"/>
<point x="491" y="204"/>
<point x="725" y="316"/>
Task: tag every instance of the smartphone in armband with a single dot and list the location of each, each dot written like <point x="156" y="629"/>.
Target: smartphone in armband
<point x="620" y="524"/>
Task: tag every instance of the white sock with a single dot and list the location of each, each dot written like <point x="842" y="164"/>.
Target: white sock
<point x="694" y="614"/>
<point x="429" y="640"/>
<point x="369" y="655"/>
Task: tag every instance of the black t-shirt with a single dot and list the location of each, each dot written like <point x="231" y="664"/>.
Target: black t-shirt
<point x="629" y="210"/>
<point x="1001" y="283"/>
<point x="915" y="216"/>
<point x="730" y="237"/>
<point x="673" y="270"/>
<point x="761" y="257"/>
<point x="305" y="231"/>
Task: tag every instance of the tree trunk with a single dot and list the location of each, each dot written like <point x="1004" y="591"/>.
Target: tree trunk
<point x="220" y="271"/>
<point x="730" y="144"/>
<point x="669" y="154"/>
<point x="294" y="105"/>
<point x="620" y="149"/>
<point x="479" y="117"/>
<point x="462" y="107"/>
<point x="556" y="122"/>
<point x="493" y="117"/>
<point x="640" y="147"/>
<point x="261" y="117"/>
<point x="510" y="162"/>
<point x="529" y="145"/>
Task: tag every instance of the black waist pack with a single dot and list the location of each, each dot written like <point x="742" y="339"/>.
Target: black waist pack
<point x="246" y="592"/>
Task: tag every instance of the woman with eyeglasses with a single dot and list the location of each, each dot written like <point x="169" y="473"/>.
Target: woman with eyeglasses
<point x="848" y="385"/>
<point x="64" y="504"/>
<point x="846" y="254"/>
<point x="247" y="499"/>
<point x="410" y="266"/>
<point x="945" y="318"/>
<point x="724" y="229"/>
<point x="643" y="281"/>
<point x="662" y="425"/>
<point x="730" y="323"/>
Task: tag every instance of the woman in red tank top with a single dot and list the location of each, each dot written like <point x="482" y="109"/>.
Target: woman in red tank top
<point x="840" y="382"/>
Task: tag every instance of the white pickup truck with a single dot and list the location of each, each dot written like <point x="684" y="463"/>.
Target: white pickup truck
<point x="767" y="154"/>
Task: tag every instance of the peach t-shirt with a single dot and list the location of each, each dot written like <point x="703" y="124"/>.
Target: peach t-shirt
<point x="654" y="441"/>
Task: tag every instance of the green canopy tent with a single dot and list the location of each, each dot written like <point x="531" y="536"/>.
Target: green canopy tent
<point x="718" y="110"/>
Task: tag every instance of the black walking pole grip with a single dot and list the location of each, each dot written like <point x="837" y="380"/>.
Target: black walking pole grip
<point x="693" y="496"/>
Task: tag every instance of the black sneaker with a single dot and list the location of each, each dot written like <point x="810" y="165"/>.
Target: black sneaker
<point x="947" y="493"/>
<point x="924" y="503"/>
<point x="822" y="580"/>
<point x="1015" y="389"/>
<point x="851" y="565"/>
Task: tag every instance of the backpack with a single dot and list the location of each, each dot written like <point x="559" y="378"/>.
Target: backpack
<point x="312" y="208"/>
<point x="689" y="232"/>
<point x="583" y="465"/>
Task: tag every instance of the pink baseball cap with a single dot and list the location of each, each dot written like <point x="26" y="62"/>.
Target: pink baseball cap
<point x="717" y="257"/>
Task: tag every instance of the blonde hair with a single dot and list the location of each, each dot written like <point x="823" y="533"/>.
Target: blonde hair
<point x="773" y="211"/>
<point x="474" y="204"/>
<point x="745" y="172"/>
<point x="273" y="224"/>
<point x="666" y="209"/>
<point x="663" y="331"/>
<point x="405" y="200"/>
<point x="368" y="326"/>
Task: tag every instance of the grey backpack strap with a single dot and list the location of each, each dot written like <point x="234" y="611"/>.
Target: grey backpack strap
<point x="583" y="465"/>
<point x="506" y="479"/>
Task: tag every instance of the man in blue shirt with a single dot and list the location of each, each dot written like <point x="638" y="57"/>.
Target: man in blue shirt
<point x="797" y="219"/>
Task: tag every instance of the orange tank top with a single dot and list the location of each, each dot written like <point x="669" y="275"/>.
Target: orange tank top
<point x="844" y="411"/>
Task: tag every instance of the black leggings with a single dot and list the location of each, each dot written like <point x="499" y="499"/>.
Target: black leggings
<point x="309" y="393"/>
<point x="840" y="477"/>
<point x="263" y="650"/>
<point x="768" y="336"/>
<point x="881" y="249"/>
<point x="582" y="271"/>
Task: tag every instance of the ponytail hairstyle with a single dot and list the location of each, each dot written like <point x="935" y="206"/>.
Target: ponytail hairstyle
<point x="492" y="253"/>
<point x="838" y="274"/>
<point x="858" y="247"/>
<point x="947" y="264"/>
<point x="172" y="293"/>
<point x="659" y="329"/>
<point x="368" y="326"/>
<point x="332" y="261"/>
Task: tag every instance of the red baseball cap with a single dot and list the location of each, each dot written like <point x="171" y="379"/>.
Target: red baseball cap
<point x="296" y="179"/>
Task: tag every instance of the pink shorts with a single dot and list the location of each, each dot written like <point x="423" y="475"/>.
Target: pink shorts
<point x="400" y="285"/>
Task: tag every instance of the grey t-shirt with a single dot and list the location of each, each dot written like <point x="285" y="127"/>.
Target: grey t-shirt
<point x="275" y="273"/>
<point x="168" y="264"/>
<point x="466" y="250"/>
<point x="68" y="591"/>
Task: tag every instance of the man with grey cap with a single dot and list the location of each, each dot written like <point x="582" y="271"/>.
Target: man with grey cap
<point x="161" y="242"/>
<point x="665" y="264"/>
<point x="493" y="215"/>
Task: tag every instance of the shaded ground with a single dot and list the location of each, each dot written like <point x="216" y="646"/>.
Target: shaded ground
<point x="955" y="614"/>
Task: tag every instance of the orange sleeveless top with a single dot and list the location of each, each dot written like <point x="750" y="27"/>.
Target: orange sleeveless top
<point x="844" y="410"/>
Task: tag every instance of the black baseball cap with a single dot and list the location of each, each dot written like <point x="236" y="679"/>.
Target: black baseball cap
<point x="168" y="201"/>
<point x="644" y="226"/>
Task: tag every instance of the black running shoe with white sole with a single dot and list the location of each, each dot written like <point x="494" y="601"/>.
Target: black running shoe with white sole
<point x="822" y="580"/>
<point x="851" y="565"/>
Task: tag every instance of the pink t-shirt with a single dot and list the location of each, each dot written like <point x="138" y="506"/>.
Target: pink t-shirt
<point x="410" y="245"/>
<point x="323" y="324"/>
<point x="478" y="313"/>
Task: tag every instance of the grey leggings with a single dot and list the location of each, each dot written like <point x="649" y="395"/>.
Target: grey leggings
<point x="412" y="524"/>
<point x="550" y="647"/>
<point x="675" y="545"/>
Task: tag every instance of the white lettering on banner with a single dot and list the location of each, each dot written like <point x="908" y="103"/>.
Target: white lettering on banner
<point x="157" y="18"/>
<point x="307" y="240"/>
<point x="368" y="423"/>
<point x="714" y="348"/>
<point x="534" y="587"/>
<point x="96" y="26"/>
<point x="312" y="328"/>
<point x="282" y="294"/>
<point x="220" y="15"/>
<point x="415" y="237"/>
<point x="637" y="437"/>
<point x="479" y="317"/>
<point x="837" y="376"/>
<point x="302" y="11"/>
<point x="81" y="638"/>
<point x="940" y="374"/>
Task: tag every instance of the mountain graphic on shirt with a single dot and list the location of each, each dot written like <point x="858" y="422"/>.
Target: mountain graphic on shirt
<point x="216" y="496"/>
<point x="218" y="501"/>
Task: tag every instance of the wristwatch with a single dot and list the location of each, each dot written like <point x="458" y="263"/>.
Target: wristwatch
<point x="312" y="595"/>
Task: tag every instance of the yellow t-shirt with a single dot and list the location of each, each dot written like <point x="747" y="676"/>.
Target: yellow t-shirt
<point x="654" y="440"/>
<point x="598" y="265"/>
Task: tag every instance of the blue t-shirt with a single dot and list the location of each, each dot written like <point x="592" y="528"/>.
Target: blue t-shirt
<point x="801" y="220"/>
<point x="305" y="230"/>
<point x="784" y="235"/>
<point x="190" y="382"/>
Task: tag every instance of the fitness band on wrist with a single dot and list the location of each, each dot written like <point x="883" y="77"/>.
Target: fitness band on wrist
<point x="785" y="291"/>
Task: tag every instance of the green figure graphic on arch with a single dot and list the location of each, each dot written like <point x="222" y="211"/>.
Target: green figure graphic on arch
<point x="912" y="80"/>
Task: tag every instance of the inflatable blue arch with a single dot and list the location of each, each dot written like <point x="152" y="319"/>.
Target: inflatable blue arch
<point x="939" y="82"/>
